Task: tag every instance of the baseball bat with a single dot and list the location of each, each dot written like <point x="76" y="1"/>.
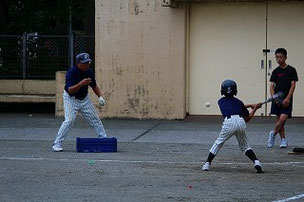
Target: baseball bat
<point x="278" y="95"/>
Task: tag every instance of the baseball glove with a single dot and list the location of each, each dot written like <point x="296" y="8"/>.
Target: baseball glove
<point x="298" y="149"/>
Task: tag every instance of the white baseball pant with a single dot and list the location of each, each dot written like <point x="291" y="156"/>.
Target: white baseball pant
<point x="232" y="126"/>
<point x="86" y="108"/>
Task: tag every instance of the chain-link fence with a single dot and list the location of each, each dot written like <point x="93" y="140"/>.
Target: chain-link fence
<point x="11" y="56"/>
<point x="85" y="44"/>
<point x="32" y="56"/>
<point x="46" y="55"/>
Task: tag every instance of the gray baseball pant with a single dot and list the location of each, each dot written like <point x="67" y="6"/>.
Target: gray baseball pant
<point x="232" y="126"/>
<point x="86" y="108"/>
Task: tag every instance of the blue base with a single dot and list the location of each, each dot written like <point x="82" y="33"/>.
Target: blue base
<point x="93" y="145"/>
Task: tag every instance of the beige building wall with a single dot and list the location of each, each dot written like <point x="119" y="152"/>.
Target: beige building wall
<point x="227" y="41"/>
<point x="140" y="58"/>
<point x="60" y="82"/>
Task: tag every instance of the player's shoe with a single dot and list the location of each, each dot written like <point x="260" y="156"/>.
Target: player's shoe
<point x="271" y="139"/>
<point x="206" y="166"/>
<point x="284" y="143"/>
<point x="57" y="147"/>
<point x="258" y="166"/>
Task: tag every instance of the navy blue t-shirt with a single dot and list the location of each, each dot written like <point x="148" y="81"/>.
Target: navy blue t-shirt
<point x="74" y="76"/>
<point x="232" y="106"/>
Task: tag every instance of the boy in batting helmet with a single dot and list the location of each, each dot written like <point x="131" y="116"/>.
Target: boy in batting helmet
<point x="235" y="115"/>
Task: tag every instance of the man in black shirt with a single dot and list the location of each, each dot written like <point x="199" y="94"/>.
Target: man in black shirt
<point x="284" y="79"/>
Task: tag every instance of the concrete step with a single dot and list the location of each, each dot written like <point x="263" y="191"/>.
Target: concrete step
<point x="28" y="98"/>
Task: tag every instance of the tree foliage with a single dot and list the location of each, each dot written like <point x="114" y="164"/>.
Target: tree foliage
<point x="42" y="16"/>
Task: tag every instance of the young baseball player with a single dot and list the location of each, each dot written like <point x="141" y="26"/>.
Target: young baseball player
<point x="235" y="115"/>
<point x="76" y="98"/>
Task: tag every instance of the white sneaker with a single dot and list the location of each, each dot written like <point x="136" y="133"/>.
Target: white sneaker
<point x="258" y="166"/>
<point x="206" y="166"/>
<point x="57" y="147"/>
<point x="284" y="143"/>
<point x="271" y="139"/>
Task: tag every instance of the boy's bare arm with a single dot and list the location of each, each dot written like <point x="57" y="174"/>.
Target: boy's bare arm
<point x="249" y="106"/>
<point x="254" y="108"/>
<point x="271" y="88"/>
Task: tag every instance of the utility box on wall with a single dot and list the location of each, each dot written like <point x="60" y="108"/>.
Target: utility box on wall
<point x="169" y="3"/>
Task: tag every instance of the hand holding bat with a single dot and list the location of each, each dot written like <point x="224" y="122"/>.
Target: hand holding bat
<point x="258" y="105"/>
<point x="277" y="96"/>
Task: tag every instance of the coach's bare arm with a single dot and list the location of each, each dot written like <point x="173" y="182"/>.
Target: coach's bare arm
<point x="75" y="88"/>
<point x="97" y="91"/>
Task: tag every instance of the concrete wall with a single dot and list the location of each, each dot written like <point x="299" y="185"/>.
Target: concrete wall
<point x="60" y="82"/>
<point x="140" y="58"/>
<point x="27" y="91"/>
<point x="28" y="87"/>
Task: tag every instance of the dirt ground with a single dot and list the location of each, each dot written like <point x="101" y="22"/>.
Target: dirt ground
<point x="161" y="165"/>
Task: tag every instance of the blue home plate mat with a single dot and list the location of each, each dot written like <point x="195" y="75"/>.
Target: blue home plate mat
<point x="89" y="145"/>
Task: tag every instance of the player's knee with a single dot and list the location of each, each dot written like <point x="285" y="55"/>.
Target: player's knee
<point x="283" y="118"/>
<point x="219" y="142"/>
<point x="68" y="122"/>
<point x="95" y="121"/>
<point x="281" y="123"/>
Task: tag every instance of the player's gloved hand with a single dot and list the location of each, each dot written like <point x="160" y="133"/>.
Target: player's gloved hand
<point x="101" y="101"/>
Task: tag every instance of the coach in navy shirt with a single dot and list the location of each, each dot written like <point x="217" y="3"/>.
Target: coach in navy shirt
<point x="76" y="98"/>
<point x="82" y="76"/>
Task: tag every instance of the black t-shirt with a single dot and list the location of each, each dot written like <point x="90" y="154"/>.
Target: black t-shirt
<point x="282" y="78"/>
